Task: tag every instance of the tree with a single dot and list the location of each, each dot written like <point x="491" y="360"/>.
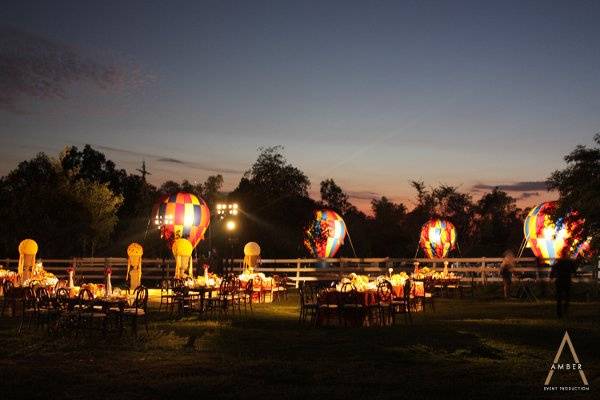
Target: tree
<point x="212" y="187"/>
<point x="578" y="185"/>
<point x="99" y="208"/>
<point x="389" y="237"/>
<point x="497" y="224"/>
<point x="334" y="197"/>
<point x="273" y="196"/>
<point x="272" y="174"/>
<point x="444" y="202"/>
<point x="92" y="165"/>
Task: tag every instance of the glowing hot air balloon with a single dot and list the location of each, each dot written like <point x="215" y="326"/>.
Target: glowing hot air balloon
<point x="549" y="239"/>
<point x="438" y="237"/>
<point x="326" y="234"/>
<point x="182" y="216"/>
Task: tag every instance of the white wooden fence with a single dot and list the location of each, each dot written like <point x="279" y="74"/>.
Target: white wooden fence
<point x="481" y="270"/>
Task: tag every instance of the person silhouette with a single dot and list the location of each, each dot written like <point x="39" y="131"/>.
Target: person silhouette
<point x="562" y="272"/>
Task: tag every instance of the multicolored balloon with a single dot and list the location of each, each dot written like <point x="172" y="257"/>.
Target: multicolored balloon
<point x="182" y="216"/>
<point x="438" y="237"/>
<point x="326" y="234"/>
<point x="548" y="239"/>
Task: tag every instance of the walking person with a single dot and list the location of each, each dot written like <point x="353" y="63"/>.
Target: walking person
<point x="562" y="271"/>
<point x="506" y="271"/>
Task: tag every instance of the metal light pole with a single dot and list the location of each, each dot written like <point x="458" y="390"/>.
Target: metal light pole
<point x="229" y="211"/>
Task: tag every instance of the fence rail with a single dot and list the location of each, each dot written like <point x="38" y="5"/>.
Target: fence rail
<point x="480" y="270"/>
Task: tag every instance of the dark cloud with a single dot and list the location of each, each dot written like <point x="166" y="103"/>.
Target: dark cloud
<point x="363" y="195"/>
<point x="34" y="67"/>
<point x="171" y="160"/>
<point x="526" y="195"/>
<point x="526" y="186"/>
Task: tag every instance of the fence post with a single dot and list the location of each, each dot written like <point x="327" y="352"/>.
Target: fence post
<point x="483" y="274"/>
<point x="297" y="273"/>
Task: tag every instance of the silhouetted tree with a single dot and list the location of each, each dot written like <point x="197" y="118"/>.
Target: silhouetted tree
<point x="334" y="197"/>
<point x="578" y="185"/>
<point x="273" y="196"/>
<point x="497" y="224"/>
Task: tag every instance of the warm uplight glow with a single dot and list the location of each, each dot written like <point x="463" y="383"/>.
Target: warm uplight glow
<point x="230" y="225"/>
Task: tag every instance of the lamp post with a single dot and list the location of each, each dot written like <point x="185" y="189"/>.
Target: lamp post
<point x="228" y="212"/>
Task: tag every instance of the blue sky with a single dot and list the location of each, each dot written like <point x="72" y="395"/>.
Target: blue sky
<point x="372" y="94"/>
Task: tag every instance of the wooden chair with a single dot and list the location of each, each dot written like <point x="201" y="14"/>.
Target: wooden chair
<point x="219" y="305"/>
<point x="89" y="316"/>
<point x="139" y="309"/>
<point x="385" y="295"/>
<point x="328" y="307"/>
<point x="234" y="299"/>
<point x="9" y="298"/>
<point x="44" y="308"/>
<point x="257" y="287"/>
<point x="352" y="308"/>
<point x="246" y="294"/>
<point x="308" y="303"/>
<point x="279" y="287"/>
<point x="29" y="308"/>
<point x="166" y="294"/>
<point x="402" y="305"/>
<point x="182" y="297"/>
<point x="427" y="298"/>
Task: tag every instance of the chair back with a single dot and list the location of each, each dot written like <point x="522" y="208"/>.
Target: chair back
<point x="61" y="283"/>
<point x="347" y="287"/>
<point x="350" y="297"/>
<point x="7" y="288"/>
<point x="384" y="292"/>
<point x="85" y="295"/>
<point x="165" y="286"/>
<point x="29" y="297"/>
<point x="178" y="287"/>
<point x="42" y="296"/>
<point x="407" y="289"/>
<point x="310" y="293"/>
<point x="428" y="284"/>
<point x="62" y="297"/>
<point x="249" y="287"/>
<point x="257" y="282"/>
<point x="141" y="298"/>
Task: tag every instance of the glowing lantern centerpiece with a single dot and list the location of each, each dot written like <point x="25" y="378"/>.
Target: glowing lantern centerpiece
<point x="438" y="237"/>
<point x="326" y="234"/>
<point x="28" y="248"/>
<point x="182" y="216"/>
<point x="550" y="240"/>
<point x="251" y="257"/>
<point x="134" y="265"/>
<point x="182" y="251"/>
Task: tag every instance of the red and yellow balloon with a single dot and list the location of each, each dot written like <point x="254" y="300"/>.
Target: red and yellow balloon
<point x="326" y="234"/>
<point x="549" y="239"/>
<point x="438" y="237"/>
<point x="182" y="216"/>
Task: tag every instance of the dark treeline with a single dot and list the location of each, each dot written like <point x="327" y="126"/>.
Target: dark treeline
<point x="81" y="204"/>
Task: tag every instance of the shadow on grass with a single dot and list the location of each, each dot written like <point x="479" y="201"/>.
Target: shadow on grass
<point x="470" y="348"/>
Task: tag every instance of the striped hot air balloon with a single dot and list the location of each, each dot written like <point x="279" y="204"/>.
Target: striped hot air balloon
<point x="182" y="216"/>
<point x="326" y="234"/>
<point x="438" y="237"/>
<point x="548" y="239"/>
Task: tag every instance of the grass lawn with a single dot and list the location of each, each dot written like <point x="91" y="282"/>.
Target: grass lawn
<point x="466" y="348"/>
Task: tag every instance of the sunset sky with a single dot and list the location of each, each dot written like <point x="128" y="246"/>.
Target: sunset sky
<point x="373" y="93"/>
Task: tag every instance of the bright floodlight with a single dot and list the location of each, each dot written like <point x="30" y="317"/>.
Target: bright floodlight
<point x="230" y="225"/>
